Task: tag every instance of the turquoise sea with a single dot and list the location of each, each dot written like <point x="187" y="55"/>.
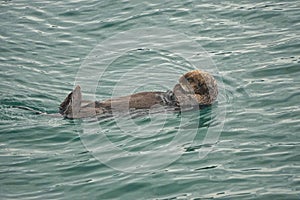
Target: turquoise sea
<point x="246" y="146"/>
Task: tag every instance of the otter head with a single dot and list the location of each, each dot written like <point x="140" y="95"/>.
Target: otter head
<point x="196" y="88"/>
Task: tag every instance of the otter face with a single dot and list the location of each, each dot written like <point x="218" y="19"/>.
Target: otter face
<point x="197" y="86"/>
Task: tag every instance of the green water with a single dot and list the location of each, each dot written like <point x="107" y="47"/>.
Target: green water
<point x="252" y="47"/>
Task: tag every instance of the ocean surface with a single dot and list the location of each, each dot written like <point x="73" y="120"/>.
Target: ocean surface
<point x="245" y="146"/>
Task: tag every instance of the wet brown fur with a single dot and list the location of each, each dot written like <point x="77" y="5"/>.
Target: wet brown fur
<point x="195" y="88"/>
<point x="196" y="85"/>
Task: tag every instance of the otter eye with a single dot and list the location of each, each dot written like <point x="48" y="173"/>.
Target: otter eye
<point x="189" y="79"/>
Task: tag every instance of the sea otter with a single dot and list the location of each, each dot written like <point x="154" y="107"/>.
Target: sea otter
<point x="195" y="88"/>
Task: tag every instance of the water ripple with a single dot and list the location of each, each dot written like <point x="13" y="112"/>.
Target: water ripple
<point x="254" y="46"/>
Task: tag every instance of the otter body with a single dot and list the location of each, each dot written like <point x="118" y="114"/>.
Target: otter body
<point x="195" y="88"/>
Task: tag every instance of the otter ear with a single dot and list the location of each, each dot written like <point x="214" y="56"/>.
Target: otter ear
<point x="70" y="107"/>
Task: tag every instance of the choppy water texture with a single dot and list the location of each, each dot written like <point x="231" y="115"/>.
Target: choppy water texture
<point x="255" y="46"/>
